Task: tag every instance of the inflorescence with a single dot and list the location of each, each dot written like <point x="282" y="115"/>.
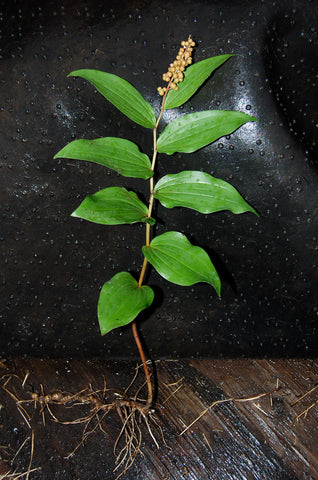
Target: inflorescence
<point x="175" y="75"/>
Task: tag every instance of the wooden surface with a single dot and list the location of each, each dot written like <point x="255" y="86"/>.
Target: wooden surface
<point x="257" y="439"/>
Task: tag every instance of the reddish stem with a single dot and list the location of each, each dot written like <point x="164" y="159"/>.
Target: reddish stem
<point x="144" y="363"/>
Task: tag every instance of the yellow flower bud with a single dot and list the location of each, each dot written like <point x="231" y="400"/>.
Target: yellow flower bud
<point x="175" y="71"/>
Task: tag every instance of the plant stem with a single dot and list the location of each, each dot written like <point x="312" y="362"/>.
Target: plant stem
<point x="145" y="261"/>
<point x="143" y="271"/>
<point x="144" y="364"/>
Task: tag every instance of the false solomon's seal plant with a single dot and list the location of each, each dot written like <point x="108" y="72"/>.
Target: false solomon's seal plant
<point x="123" y="297"/>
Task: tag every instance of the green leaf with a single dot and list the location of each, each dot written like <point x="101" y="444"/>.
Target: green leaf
<point x="120" y="301"/>
<point x="112" y="206"/>
<point x="180" y="262"/>
<point x="195" y="130"/>
<point x="194" y="77"/>
<point x="118" y="154"/>
<point x="199" y="191"/>
<point x="121" y="94"/>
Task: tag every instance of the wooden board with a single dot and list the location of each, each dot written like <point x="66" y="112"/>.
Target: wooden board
<point x="257" y="439"/>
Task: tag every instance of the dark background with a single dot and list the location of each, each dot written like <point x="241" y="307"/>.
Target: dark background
<point x="53" y="266"/>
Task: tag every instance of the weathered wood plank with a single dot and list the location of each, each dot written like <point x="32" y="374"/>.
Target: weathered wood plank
<point x="294" y="441"/>
<point x="255" y="440"/>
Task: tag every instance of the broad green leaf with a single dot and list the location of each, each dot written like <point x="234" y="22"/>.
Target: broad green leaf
<point x="196" y="130"/>
<point x="121" y="94"/>
<point x="180" y="262"/>
<point x="194" y="77"/>
<point x="118" y="154"/>
<point x="121" y="300"/>
<point x="113" y="206"/>
<point x="199" y="191"/>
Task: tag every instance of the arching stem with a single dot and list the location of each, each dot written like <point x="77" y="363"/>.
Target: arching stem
<point x="145" y="261"/>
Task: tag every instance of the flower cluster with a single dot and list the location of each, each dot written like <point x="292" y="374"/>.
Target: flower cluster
<point x="174" y="75"/>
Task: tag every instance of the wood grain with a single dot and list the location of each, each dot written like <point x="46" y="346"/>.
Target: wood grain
<point x="258" y="439"/>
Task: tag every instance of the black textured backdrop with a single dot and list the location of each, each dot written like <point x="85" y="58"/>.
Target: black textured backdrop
<point x="53" y="266"/>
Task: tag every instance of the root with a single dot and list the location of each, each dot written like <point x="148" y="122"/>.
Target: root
<point x="227" y="400"/>
<point x="305" y="412"/>
<point x="131" y="410"/>
<point x="17" y="475"/>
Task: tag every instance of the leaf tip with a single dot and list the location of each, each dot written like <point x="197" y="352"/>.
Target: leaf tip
<point x="72" y="74"/>
<point x="59" y="154"/>
<point x="255" y="212"/>
<point x="217" y="288"/>
<point x="252" y="210"/>
<point x="103" y="331"/>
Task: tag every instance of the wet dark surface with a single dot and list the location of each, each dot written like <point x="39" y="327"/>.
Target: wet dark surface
<point x="53" y="265"/>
